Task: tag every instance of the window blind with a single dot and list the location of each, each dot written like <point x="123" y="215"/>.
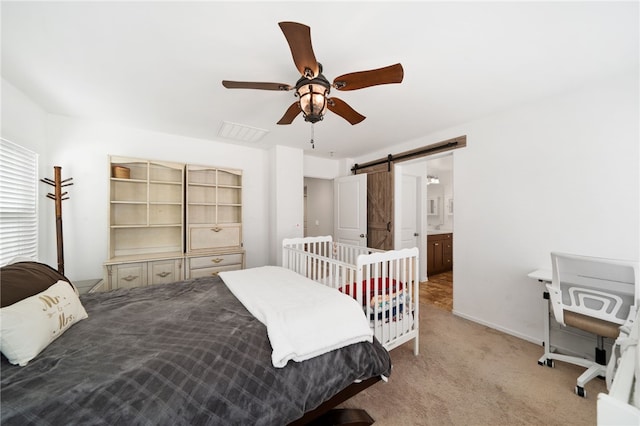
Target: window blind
<point x="18" y="202"/>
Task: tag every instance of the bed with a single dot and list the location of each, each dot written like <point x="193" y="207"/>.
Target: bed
<point x="385" y="283"/>
<point x="182" y="353"/>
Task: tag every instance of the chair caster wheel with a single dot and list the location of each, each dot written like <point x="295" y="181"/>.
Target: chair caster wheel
<point x="547" y="362"/>
<point x="581" y="392"/>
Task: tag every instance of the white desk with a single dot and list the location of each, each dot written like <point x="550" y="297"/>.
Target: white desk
<point x="544" y="276"/>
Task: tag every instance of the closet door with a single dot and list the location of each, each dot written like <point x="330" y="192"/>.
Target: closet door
<point x="350" y="210"/>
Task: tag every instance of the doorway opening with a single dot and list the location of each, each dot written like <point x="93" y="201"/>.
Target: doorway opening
<point x="438" y="290"/>
<point x="432" y="209"/>
<point x="318" y="207"/>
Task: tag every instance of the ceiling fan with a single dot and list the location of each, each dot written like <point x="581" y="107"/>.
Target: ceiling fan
<point x="312" y="89"/>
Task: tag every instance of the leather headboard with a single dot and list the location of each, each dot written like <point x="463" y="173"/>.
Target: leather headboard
<point x="25" y="279"/>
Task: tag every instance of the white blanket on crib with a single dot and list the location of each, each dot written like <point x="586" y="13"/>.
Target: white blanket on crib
<point x="304" y="318"/>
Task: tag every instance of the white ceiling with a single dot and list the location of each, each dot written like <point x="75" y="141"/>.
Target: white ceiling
<point x="159" y="65"/>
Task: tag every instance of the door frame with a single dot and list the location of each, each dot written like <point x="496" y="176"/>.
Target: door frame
<point x="415" y="194"/>
<point x="422" y="205"/>
<point x="421" y="208"/>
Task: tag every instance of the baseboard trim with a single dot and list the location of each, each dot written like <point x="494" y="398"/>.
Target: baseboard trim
<point x="510" y="332"/>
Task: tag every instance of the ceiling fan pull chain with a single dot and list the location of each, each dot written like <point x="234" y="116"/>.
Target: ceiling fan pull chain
<point x="313" y="146"/>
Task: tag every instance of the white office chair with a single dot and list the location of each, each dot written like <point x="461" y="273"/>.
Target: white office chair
<point x="595" y="295"/>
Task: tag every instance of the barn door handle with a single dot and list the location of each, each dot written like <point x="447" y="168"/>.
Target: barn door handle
<point x="388" y="226"/>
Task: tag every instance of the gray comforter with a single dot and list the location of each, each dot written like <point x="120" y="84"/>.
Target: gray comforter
<point x="186" y="353"/>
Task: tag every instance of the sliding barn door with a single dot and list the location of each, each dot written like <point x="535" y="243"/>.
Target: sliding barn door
<point x="380" y="206"/>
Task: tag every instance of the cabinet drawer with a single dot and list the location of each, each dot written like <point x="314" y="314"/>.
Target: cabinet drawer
<point x="128" y="275"/>
<point x="214" y="236"/>
<point x="208" y="272"/>
<point x="439" y="237"/>
<point x="214" y="261"/>
<point x="164" y="271"/>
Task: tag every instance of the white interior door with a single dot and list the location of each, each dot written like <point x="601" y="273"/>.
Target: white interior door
<point x="409" y="226"/>
<point x="350" y="209"/>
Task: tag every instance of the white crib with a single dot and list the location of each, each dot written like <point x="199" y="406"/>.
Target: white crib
<point x="388" y="282"/>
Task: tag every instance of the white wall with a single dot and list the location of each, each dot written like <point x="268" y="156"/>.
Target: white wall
<point x="82" y="149"/>
<point x="287" y="198"/>
<point x="23" y="121"/>
<point x="559" y="174"/>
<point x="321" y="168"/>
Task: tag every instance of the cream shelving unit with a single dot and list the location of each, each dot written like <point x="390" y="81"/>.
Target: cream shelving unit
<point x="214" y="220"/>
<point x="157" y="206"/>
<point x="146" y="223"/>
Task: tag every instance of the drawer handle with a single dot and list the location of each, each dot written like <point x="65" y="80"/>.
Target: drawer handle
<point x="215" y="274"/>
<point x="163" y="274"/>
<point x="216" y="229"/>
<point x="130" y="278"/>
<point x="217" y="260"/>
<point x="436" y="244"/>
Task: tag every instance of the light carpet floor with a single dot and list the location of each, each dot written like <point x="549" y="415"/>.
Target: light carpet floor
<point x="469" y="374"/>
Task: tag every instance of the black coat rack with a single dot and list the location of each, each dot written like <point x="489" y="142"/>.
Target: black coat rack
<point x="58" y="196"/>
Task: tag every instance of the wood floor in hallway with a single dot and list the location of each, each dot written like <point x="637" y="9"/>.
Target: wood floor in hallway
<point x="438" y="290"/>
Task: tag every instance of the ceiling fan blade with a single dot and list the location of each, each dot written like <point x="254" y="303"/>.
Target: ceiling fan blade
<point x="341" y="108"/>
<point x="255" y="85"/>
<point x="292" y="112"/>
<point x="362" y="79"/>
<point x="299" y="38"/>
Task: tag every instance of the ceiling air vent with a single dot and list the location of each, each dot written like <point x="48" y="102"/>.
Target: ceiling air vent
<point x="240" y="132"/>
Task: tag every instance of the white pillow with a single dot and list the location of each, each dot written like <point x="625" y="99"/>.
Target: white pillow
<point x="30" y="325"/>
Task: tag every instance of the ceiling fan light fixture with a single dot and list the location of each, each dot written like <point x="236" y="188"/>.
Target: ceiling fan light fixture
<point x="312" y="97"/>
<point x="313" y="102"/>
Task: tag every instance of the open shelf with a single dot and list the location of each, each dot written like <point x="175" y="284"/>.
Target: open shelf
<point x="146" y="212"/>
